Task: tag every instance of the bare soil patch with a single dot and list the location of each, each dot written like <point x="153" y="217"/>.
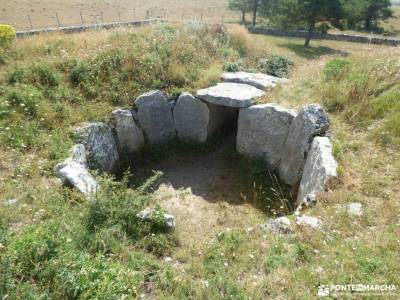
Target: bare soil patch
<point x="206" y="192"/>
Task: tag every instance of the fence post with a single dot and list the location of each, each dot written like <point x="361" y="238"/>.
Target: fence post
<point x="102" y="19"/>
<point x="30" y="21"/>
<point x="182" y="18"/>
<point x="147" y="14"/>
<point x="119" y="16"/>
<point x="134" y="13"/>
<point x="81" y="17"/>
<point x="58" y="20"/>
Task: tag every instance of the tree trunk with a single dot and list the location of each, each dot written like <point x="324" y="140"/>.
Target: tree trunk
<point x="255" y="7"/>
<point x="368" y="23"/>
<point x="309" y="34"/>
<point x="243" y="17"/>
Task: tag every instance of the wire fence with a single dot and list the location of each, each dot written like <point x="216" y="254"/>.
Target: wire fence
<point x="53" y="19"/>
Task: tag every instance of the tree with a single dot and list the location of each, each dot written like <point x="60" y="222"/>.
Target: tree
<point x="240" y="5"/>
<point x="307" y="14"/>
<point x="255" y="5"/>
<point x="366" y="14"/>
<point x="245" y="6"/>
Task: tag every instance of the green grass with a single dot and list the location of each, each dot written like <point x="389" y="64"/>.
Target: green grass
<point x="54" y="244"/>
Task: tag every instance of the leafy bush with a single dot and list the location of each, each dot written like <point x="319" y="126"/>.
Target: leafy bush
<point x="335" y="69"/>
<point x="16" y="76"/>
<point x="88" y="255"/>
<point x="79" y="73"/>
<point x="7" y="35"/>
<point x="235" y="66"/>
<point x="276" y="65"/>
<point x="24" y="98"/>
<point x="45" y="75"/>
<point x="117" y="205"/>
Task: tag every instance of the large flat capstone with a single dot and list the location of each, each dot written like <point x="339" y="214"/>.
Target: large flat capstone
<point x="319" y="169"/>
<point x="191" y="117"/>
<point x="262" y="132"/>
<point x="311" y="121"/>
<point x="230" y="94"/>
<point x="101" y="147"/>
<point x="129" y="134"/>
<point x="258" y="80"/>
<point x="155" y="117"/>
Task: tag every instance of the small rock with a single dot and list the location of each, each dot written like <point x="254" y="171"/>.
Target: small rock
<point x="354" y="208"/>
<point x="230" y="94"/>
<point x="308" y="201"/>
<point x="147" y="214"/>
<point x="10" y="202"/>
<point x="168" y="259"/>
<point x="77" y="176"/>
<point x="278" y="226"/>
<point x="311" y="222"/>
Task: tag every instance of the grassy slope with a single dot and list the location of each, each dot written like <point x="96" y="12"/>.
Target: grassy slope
<point x="43" y="12"/>
<point x="238" y="264"/>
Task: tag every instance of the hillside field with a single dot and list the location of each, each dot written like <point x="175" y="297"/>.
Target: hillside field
<point x="54" y="244"/>
<point x="43" y="12"/>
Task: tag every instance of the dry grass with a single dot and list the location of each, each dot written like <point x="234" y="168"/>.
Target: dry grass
<point x="43" y="12"/>
<point x="244" y="263"/>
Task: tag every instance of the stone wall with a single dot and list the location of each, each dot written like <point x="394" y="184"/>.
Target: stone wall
<point x="81" y="28"/>
<point x="328" y="36"/>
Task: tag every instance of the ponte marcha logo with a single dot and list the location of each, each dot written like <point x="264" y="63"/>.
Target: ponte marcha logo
<point x="365" y="289"/>
<point x="323" y="291"/>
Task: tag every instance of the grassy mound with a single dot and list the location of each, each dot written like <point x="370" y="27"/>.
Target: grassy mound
<point x="55" y="244"/>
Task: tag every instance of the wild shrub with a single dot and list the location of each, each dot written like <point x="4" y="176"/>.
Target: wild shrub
<point x="7" y="35"/>
<point x="87" y="253"/>
<point x="335" y="69"/>
<point x="44" y="75"/>
<point x="24" y="98"/>
<point x="235" y="66"/>
<point x="276" y="65"/>
<point x="16" y="76"/>
<point x="79" y="73"/>
<point x="117" y="205"/>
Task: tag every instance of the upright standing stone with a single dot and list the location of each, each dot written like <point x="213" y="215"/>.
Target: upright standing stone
<point x="130" y="136"/>
<point x="155" y="117"/>
<point x="319" y="169"/>
<point x="101" y="147"/>
<point x="191" y="117"/>
<point x="230" y="94"/>
<point x="311" y="121"/>
<point x="262" y="132"/>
